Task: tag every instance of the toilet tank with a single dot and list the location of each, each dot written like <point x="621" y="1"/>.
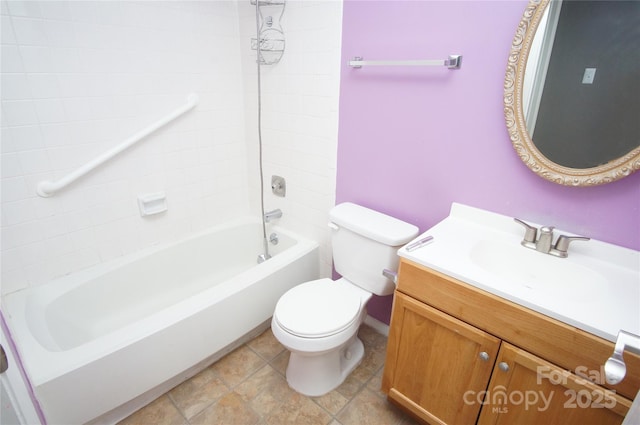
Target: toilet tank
<point x="364" y="242"/>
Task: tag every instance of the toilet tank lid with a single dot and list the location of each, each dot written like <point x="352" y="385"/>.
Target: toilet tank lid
<point x="373" y="224"/>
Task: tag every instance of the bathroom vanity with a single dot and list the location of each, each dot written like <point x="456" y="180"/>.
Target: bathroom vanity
<point x="462" y="353"/>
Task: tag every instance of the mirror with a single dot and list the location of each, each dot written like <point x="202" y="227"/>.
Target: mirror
<point x="556" y="142"/>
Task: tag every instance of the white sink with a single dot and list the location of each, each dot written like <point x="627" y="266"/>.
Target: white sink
<point x="597" y="288"/>
<point x="537" y="272"/>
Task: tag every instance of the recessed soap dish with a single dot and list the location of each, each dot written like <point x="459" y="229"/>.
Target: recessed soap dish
<point x="152" y="203"/>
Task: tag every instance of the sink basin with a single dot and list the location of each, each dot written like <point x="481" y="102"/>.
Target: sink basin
<point x="596" y="288"/>
<point x="538" y="272"/>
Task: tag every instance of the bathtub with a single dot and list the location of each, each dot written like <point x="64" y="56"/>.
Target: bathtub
<point x="100" y="343"/>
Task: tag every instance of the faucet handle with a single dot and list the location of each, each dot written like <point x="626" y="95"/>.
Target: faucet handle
<point x="562" y="245"/>
<point x="529" y="234"/>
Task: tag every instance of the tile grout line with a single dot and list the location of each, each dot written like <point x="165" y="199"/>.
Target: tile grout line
<point x="373" y="366"/>
<point x="269" y="363"/>
<point x="170" y="397"/>
<point x="332" y="416"/>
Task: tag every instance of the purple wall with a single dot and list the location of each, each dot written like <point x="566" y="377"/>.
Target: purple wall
<point x="413" y="140"/>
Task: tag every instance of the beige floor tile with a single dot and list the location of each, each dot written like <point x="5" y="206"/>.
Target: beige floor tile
<point x="350" y="387"/>
<point x="273" y="399"/>
<point x="372" y="362"/>
<point x="269" y="401"/>
<point x="266" y="345"/>
<point x="199" y="392"/>
<point x="229" y="410"/>
<point x="248" y="387"/>
<point x="332" y="402"/>
<point x="299" y="410"/>
<point x="281" y="361"/>
<point x="159" y="412"/>
<point x="237" y="366"/>
<point x="375" y="348"/>
<point x="367" y="408"/>
<point x="262" y="380"/>
<point x="375" y="383"/>
<point x="266" y="391"/>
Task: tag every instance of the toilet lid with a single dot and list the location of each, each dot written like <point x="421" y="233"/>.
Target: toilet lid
<point x="316" y="309"/>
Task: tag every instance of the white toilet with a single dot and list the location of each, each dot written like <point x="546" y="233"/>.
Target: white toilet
<point x="318" y="321"/>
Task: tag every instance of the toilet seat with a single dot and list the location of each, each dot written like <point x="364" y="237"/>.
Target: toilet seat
<point x="317" y="309"/>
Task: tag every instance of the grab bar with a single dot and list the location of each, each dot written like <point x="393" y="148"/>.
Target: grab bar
<point x="48" y="188"/>
<point x="452" y="62"/>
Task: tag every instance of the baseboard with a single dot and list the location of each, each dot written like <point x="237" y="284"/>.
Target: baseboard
<point x="378" y="326"/>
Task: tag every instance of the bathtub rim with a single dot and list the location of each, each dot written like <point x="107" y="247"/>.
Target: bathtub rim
<point x="43" y="365"/>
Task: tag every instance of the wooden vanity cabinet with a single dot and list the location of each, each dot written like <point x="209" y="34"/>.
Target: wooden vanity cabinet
<point x="459" y="355"/>
<point x="437" y="359"/>
<point x="524" y="389"/>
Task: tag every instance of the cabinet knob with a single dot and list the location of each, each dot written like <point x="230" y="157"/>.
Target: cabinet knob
<point x="503" y="366"/>
<point x="484" y="356"/>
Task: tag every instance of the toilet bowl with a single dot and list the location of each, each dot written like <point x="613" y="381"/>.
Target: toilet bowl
<point x="318" y="321"/>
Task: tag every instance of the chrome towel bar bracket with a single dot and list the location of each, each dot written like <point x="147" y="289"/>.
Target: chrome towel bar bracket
<point x="452" y="62"/>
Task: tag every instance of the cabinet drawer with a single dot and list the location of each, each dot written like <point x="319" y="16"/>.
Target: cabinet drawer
<point x="550" y="339"/>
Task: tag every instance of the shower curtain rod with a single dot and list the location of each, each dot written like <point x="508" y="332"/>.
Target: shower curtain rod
<point x="48" y="188"/>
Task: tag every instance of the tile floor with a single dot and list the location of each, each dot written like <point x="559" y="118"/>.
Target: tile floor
<point x="248" y="387"/>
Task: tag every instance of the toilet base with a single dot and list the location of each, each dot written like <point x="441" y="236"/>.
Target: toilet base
<point x="316" y="375"/>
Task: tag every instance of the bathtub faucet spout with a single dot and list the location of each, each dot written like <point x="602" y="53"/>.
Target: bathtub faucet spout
<point x="263" y="257"/>
<point x="270" y="215"/>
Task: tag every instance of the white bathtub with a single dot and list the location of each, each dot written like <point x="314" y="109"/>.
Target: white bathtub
<point x="100" y="343"/>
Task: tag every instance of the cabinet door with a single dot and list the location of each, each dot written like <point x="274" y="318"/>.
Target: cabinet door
<point x="434" y="360"/>
<point x="525" y="389"/>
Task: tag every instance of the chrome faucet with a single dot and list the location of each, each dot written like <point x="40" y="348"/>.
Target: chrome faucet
<point x="544" y="242"/>
<point x="545" y="239"/>
<point x="270" y="215"/>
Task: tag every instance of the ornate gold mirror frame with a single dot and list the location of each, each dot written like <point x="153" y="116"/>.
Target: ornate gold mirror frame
<point x="516" y="125"/>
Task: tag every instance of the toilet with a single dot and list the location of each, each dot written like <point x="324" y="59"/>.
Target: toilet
<point x="318" y="321"/>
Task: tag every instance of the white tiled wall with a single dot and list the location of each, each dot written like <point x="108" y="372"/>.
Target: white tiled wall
<point x="79" y="77"/>
<point x="299" y="114"/>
